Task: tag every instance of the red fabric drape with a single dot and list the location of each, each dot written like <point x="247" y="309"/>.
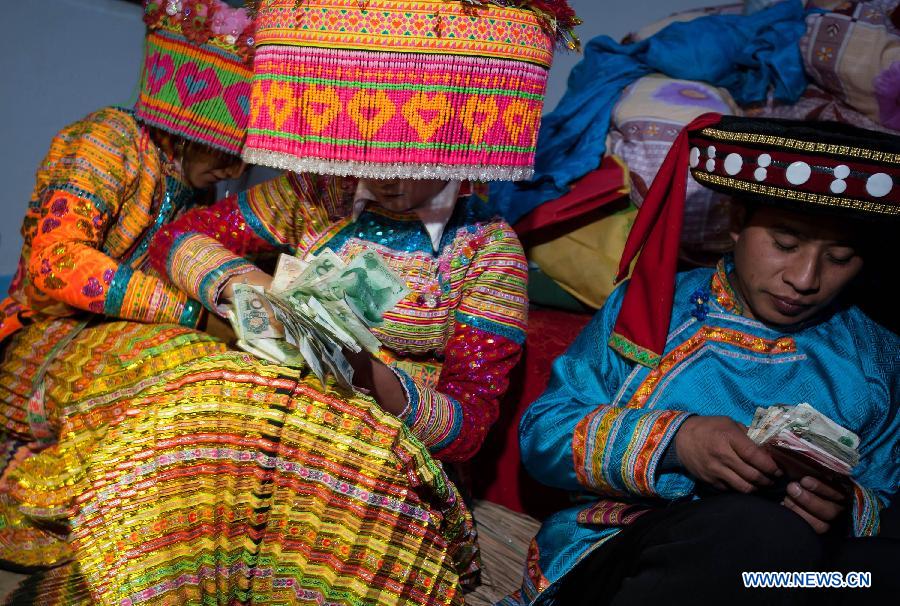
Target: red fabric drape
<point x="647" y="307"/>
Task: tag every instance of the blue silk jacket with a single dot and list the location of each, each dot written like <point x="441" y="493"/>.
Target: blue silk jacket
<point x="604" y="422"/>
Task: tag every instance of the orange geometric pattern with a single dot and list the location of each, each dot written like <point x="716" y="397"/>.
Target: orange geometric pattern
<point x="416" y="26"/>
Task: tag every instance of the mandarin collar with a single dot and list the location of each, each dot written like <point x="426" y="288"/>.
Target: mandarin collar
<point x="722" y="289"/>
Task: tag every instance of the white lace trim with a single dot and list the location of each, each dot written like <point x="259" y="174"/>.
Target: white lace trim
<point x="373" y="170"/>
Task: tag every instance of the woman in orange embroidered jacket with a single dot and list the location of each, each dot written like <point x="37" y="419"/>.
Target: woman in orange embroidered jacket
<point x="106" y="186"/>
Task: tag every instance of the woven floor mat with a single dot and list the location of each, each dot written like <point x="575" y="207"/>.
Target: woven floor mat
<point x="504" y="536"/>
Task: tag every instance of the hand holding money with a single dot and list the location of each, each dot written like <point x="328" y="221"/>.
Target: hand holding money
<point x="717" y="451"/>
<point x="256" y="277"/>
<point x="817" y="456"/>
<point x="314" y="310"/>
<point x="804" y="442"/>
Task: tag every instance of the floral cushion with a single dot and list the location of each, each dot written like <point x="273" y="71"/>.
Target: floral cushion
<point x="815" y="104"/>
<point x="853" y="51"/>
<point x="645" y="122"/>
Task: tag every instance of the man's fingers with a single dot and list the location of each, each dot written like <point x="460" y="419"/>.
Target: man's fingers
<point x="819" y="526"/>
<point x="818" y="507"/>
<point x="713" y="477"/>
<point x="735" y="481"/>
<point x="751" y="454"/>
<point x="822" y="489"/>
<point x="747" y="472"/>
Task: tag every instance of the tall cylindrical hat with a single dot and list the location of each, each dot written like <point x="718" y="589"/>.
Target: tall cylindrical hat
<point x="442" y="89"/>
<point x="197" y="70"/>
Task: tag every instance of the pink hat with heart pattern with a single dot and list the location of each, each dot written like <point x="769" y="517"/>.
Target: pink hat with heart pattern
<point x="197" y="70"/>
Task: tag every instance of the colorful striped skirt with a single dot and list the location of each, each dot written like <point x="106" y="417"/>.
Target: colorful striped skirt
<point x="188" y="474"/>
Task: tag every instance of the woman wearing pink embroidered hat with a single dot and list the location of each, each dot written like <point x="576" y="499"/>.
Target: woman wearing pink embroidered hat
<point x="107" y="184"/>
<point x="382" y="133"/>
<point x="201" y="474"/>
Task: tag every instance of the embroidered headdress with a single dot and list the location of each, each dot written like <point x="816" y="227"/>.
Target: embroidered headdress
<point x="444" y="89"/>
<point x="819" y="166"/>
<point x="197" y="69"/>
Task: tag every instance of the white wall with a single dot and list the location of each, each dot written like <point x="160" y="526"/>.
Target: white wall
<point x="62" y="59"/>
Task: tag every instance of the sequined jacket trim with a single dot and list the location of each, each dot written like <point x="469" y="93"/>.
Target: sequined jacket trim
<point x="465" y="312"/>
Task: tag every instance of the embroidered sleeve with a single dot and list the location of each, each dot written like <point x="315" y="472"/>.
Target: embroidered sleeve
<point x="201" y="250"/>
<point x="486" y="343"/>
<point x="616" y="451"/>
<point x="573" y="438"/>
<point x="91" y="171"/>
<point x="206" y="247"/>
<point x="865" y="512"/>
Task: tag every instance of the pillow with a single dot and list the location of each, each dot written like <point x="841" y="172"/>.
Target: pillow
<point x="645" y="122"/>
<point x="584" y="261"/>
<point x="815" y="104"/>
<point x="853" y="52"/>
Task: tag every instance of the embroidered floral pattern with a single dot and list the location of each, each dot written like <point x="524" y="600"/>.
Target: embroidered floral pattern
<point x="49" y="225"/>
<point x="204" y="21"/>
<point x="85" y="227"/>
<point x="59" y="207"/>
<point x="92" y="288"/>
<point x="722" y="290"/>
<point x="69" y="261"/>
<point x="53" y="283"/>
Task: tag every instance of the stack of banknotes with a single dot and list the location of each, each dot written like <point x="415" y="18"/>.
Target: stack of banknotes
<point x="803" y="441"/>
<point x="316" y="309"/>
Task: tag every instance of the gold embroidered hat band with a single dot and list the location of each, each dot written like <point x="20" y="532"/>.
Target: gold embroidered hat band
<point x="796" y="163"/>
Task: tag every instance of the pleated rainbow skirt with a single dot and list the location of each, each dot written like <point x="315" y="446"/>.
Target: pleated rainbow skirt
<point x="185" y="473"/>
